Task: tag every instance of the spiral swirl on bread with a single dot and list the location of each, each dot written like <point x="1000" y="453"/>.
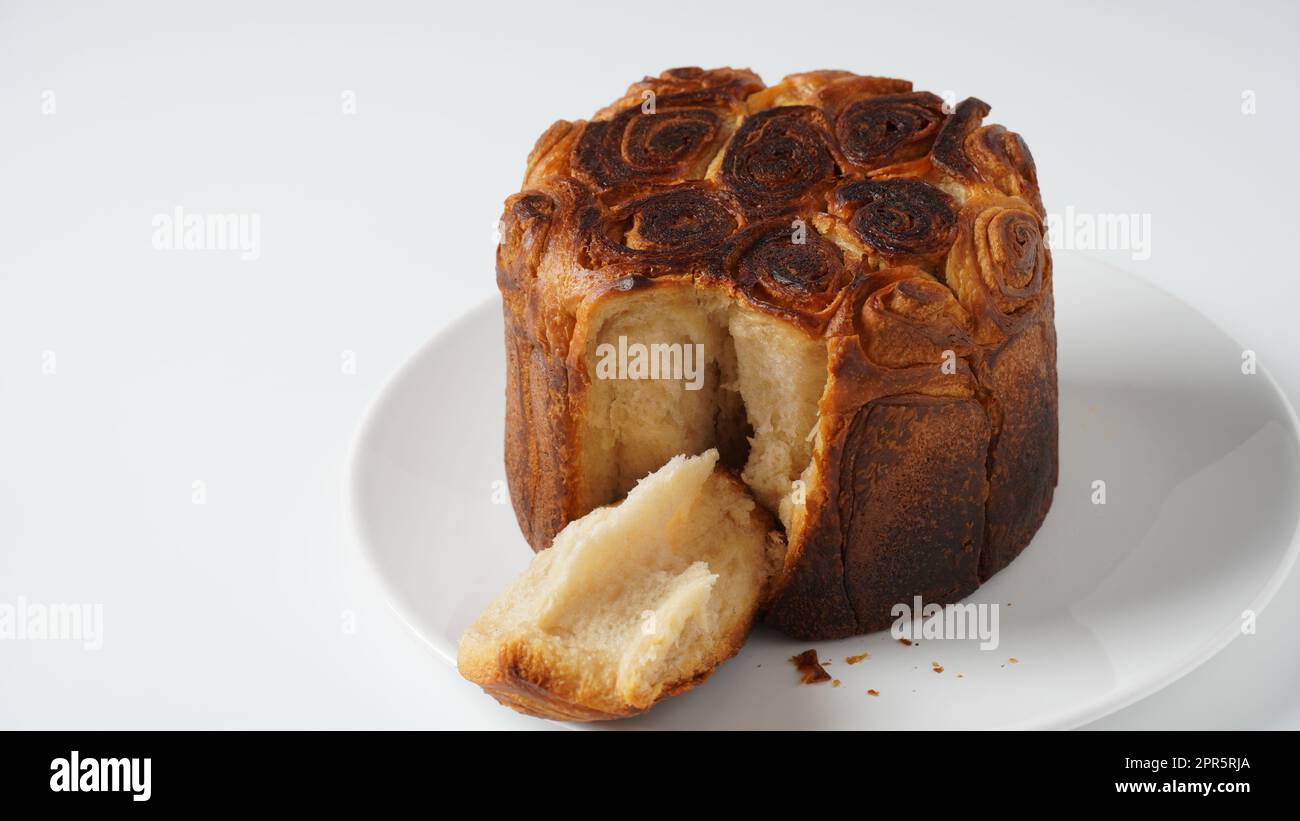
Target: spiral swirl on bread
<point x="898" y="218"/>
<point x="879" y="131"/>
<point x="779" y="160"/>
<point x="789" y="268"/>
<point x="909" y="318"/>
<point x="721" y="83"/>
<point x="1003" y="160"/>
<point x="829" y="90"/>
<point x="674" y="141"/>
<point x="665" y="231"/>
<point x="524" y="227"/>
<point x="999" y="266"/>
<point x="988" y="155"/>
<point x="949" y="153"/>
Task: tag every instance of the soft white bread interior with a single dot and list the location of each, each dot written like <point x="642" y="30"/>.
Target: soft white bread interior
<point x="633" y="603"/>
<point x="756" y="397"/>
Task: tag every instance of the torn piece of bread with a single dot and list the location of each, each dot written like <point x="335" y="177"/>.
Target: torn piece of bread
<point x="633" y="603"/>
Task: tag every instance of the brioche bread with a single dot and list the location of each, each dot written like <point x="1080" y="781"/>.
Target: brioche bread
<point x="865" y="269"/>
<point x="633" y="603"/>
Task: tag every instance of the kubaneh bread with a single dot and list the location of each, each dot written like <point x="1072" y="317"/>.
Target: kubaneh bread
<point x="864" y="270"/>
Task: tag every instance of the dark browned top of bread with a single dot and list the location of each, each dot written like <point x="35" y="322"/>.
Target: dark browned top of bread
<point x="844" y="204"/>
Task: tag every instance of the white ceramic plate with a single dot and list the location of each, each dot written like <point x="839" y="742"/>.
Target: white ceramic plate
<point x="1108" y="604"/>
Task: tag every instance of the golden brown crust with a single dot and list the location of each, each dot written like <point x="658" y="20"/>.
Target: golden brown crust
<point x="923" y="267"/>
<point x="907" y="519"/>
<point x="528" y="681"/>
<point x="1019" y="379"/>
<point x="908" y="318"/>
<point x="988" y="157"/>
<point x="527" y="684"/>
<point x="549" y="158"/>
<point x="722" y="83"/>
<point x="999" y="266"/>
<point x="949" y="152"/>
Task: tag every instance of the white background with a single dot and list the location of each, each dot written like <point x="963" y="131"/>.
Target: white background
<point x="376" y="230"/>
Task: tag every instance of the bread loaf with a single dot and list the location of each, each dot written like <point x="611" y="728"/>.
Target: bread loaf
<point x="864" y="273"/>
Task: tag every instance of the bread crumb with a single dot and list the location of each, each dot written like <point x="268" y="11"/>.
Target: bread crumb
<point x="873" y="692"/>
<point x="856" y="659"/>
<point x="907" y="642"/>
<point x="810" y="670"/>
<point x="1014" y="660"/>
<point x="835" y="682"/>
<point x="936" y="666"/>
